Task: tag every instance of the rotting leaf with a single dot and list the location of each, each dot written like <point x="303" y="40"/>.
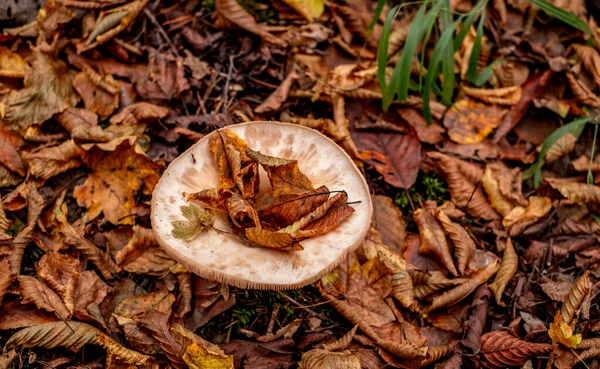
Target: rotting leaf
<point x="388" y="221"/>
<point x="433" y="240"/>
<point x="141" y="112"/>
<point x="83" y="124"/>
<point x="521" y="217"/>
<point x="561" y="147"/>
<point x="49" y="162"/>
<point x="197" y="221"/>
<point x="508" y="267"/>
<point x="320" y="359"/>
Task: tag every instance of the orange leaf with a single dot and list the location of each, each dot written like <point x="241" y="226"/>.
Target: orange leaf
<point x="285" y="175"/>
<point x="288" y="212"/>
<point x="43" y="297"/>
<point x="433" y="240"/>
<point x="276" y="240"/>
<point x="561" y="332"/>
<point x="470" y="122"/>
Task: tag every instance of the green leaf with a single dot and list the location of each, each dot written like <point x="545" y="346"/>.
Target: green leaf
<point x="484" y="76"/>
<point x="448" y="52"/>
<point x="382" y="51"/>
<point x="376" y="14"/>
<point x="474" y="57"/>
<point x="197" y="221"/>
<point x="469" y="20"/>
<point x="575" y="128"/>
<point x="563" y="15"/>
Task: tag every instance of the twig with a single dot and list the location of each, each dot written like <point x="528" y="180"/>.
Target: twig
<point x="308" y="310"/>
<point x="161" y="30"/>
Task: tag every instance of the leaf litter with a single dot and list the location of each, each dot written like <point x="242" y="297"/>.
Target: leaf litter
<point x="474" y="257"/>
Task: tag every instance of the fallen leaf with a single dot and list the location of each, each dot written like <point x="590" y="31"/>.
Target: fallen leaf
<point x="451" y="319"/>
<point x="95" y="99"/>
<point x="115" y="176"/>
<point x="591" y="60"/>
<point x="433" y="240"/>
<point x="47" y="91"/>
<point x="501" y="96"/>
<point x="396" y="156"/>
<point x="580" y="289"/>
<point x="82" y="124"/>
<point x="582" y="92"/>
<point x="388" y="221"/>
<point x="11" y="64"/>
<point x="285" y="175"/>
<point x="234" y="165"/>
<point x="198" y="357"/>
<point x="153" y="261"/>
<point x="427" y="283"/>
<point x="73" y="336"/>
<point x="90" y="290"/>
<point x="136" y="307"/>
<point x="10" y="152"/>
<point x="458" y="293"/>
<point x="463" y="179"/>
<point x="561" y="147"/>
<point x="249" y="355"/>
<point x="56" y="269"/>
<point x="276" y="240"/>
<point x="500" y="349"/>
<point x="292" y="210"/>
<point x="430" y="133"/>
<point x="508" y="267"/>
<point x="580" y="193"/>
<point x="15" y="315"/>
<point x="137" y="113"/>
<point x="561" y="332"/>
<point x="49" y="162"/>
<point x="279" y="96"/>
<point x="519" y="217"/>
<point x="197" y="221"/>
<point x="556" y="290"/>
<point x="43" y="297"/>
<point x="470" y="122"/>
<point x="310" y="9"/>
<point x="325" y="224"/>
<point x="321" y="359"/>
<point x="476" y="322"/>
<point x="172" y="343"/>
<point x="503" y="187"/>
<point x="464" y="247"/>
<point x="6" y="278"/>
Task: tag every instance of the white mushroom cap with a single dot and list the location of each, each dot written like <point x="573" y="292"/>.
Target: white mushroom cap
<point x="225" y="258"/>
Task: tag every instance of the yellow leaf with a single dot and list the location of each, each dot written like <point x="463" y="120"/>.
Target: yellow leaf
<point x="11" y="64"/>
<point x="309" y="9"/>
<point x="197" y="357"/>
<point x="562" y="333"/>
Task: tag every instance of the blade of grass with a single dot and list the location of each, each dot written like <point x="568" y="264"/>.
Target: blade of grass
<point x="376" y="15"/>
<point x="425" y="41"/>
<point x="474" y="57"/>
<point x="382" y="51"/>
<point x="563" y="15"/>
<point x="469" y="20"/>
<point x="448" y="58"/>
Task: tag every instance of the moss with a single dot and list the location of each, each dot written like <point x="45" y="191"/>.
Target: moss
<point x="429" y="186"/>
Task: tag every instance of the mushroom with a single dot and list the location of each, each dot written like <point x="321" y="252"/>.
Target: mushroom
<point x="220" y="256"/>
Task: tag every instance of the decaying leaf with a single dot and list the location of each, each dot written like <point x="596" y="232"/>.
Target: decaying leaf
<point x="138" y="306"/>
<point x="43" y="297"/>
<point x="470" y="122"/>
<point x="6" y="278"/>
<point x="388" y="221"/>
<point x="500" y="349"/>
<point x="47" y="91"/>
<point x="463" y="181"/>
<point x="580" y="193"/>
<point x="56" y="269"/>
<point x="278" y="97"/>
<point x="578" y="292"/>
<point x="83" y="124"/>
<point x="73" y="336"/>
<point x="322" y="359"/>
<point x="458" y="293"/>
<point x="508" y="267"/>
<point x="427" y="283"/>
<point x="521" y="217"/>
<point x="115" y="176"/>
<point x="433" y="240"/>
<point x="561" y="332"/>
<point x="96" y="99"/>
<point x="464" y="247"/>
<point x="285" y="175"/>
<point x="197" y="221"/>
<point x="591" y="60"/>
<point x="90" y="292"/>
<point x="503" y="187"/>
<point x="556" y="290"/>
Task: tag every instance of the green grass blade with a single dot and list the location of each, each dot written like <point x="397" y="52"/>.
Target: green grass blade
<point x="575" y="128"/>
<point x="484" y="76"/>
<point x="469" y="20"/>
<point x="382" y="51"/>
<point x="565" y="16"/>
<point x="448" y="52"/>
<point x="376" y="14"/>
<point x="474" y="57"/>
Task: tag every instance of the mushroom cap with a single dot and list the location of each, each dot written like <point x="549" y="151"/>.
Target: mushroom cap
<point x="219" y="256"/>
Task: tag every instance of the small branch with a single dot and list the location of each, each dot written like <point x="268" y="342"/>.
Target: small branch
<point x="161" y="30"/>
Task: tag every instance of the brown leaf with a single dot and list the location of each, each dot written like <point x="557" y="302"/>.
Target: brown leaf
<point x="286" y="331"/>
<point x="330" y="221"/>
<point x="476" y="323"/>
<point x="464" y="247"/>
<point x="90" y="290"/>
<point x="519" y="217"/>
<point x="556" y="290"/>
<point x="463" y="179"/>
<point x="290" y="211"/>
<point x="56" y="269"/>
<point x="82" y="124"/>
<point x="278" y="97"/>
<point x="430" y="133"/>
<point x="142" y="240"/>
<point x="433" y="240"/>
<point x="581" y="288"/>
<point x="388" y="221"/>
<point x="154" y="261"/>
<point x="318" y="358"/>
<point x="580" y="193"/>
<point x="184" y="303"/>
<point x="115" y="176"/>
<point x="451" y="319"/>
<point x="136" y="307"/>
<point x="47" y="91"/>
<point x="426" y="283"/>
<point x="396" y="156"/>
<point x="172" y="343"/>
<point x="277" y="240"/>
<point x="15" y="315"/>
<point x="231" y="15"/>
<point x="11" y="64"/>
<point x="508" y="267"/>
<point x="6" y="278"/>
<point x="470" y="122"/>
<point x="141" y="112"/>
<point x="500" y="349"/>
<point x="96" y="99"/>
<point x="35" y="204"/>
<point x="73" y="336"/>
<point x="458" y="293"/>
<point x="582" y="93"/>
<point x="501" y="96"/>
<point x="503" y="187"/>
<point x="342" y="342"/>
<point x="591" y="60"/>
<point x="531" y="90"/>
<point x="43" y="297"/>
<point x="285" y="175"/>
<point x="10" y="157"/>
<point x="560" y="148"/>
<point x="48" y="162"/>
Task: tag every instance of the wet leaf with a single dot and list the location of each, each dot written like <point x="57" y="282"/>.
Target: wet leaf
<point x="561" y="332"/>
<point x="43" y="297"/>
<point x="73" y="336"/>
<point x="285" y="175"/>
<point x="11" y="64"/>
<point x="115" y="176"/>
<point x="470" y="122"/>
<point x="500" y="349"/>
<point x="197" y="221"/>
<point x="433" y="240"/>
<point x="508" y="267"/>
<point x="49" y="162"/>
<point x="47" y="91"/>
<point x="321" y="359"/>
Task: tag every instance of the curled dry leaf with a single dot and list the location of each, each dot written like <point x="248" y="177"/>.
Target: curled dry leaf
<point x="470" y="122"/>
<point x="582" y="93"/>
<point x="10" y="156"/>
<point x="561" y="332"/>
<point x="47" y="91"/>
<point x="56" y="269"/>
<point x="560" y="148"/>
<point x="581" y="288"/>
<point x="285" y="175"/>
<point x="580" y="193"/>
<point x="95" y="99"/>
<point x="433" y="240"/>
<point x="42" y="296"/>
<point x="322" y="359"/>
<point x="464" y="247"/>
<point x="83" y="124"/>
<point x="463" y="182"/>
<point x="116" y="176"/>
<point x="521" y="217"/>
<point x="173" y="343"/>
<point x="290" y="211"/>
<point x="11" y="64"/>
<point x="556" y="290"/>
<point x="427" y="283"/>
<point x="6" y="278"/>
<point x="508" y="267"/>
<point x="278" y="97"/>
<point x="503" y="187"/>
<point x="90" y="291"/>
<point x="15" y="315"/>
<point x="342" y="342"/>
<point x="458" y="293"/>
<point x="140" y="112"/>
<point x="48" y="162"/>
<point x="591" y="60"/>
<point x="73" y="336"/>
<point x="500" y="349"/>
<point x="502" y="96"/>
<point x="231" y="15"/>
<point x="402" y="285"/>
<point x="137" y="306"/>
<point x="476" y="322"/>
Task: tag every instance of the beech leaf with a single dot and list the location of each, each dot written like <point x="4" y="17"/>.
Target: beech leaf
<point x="42" y="296"/>
<point x="580" y="289"/>
<point x="500" y="349"/>
<point x="508" y="267"/>
<point x="285" y="175"/>
<point x="433" y="240"/>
